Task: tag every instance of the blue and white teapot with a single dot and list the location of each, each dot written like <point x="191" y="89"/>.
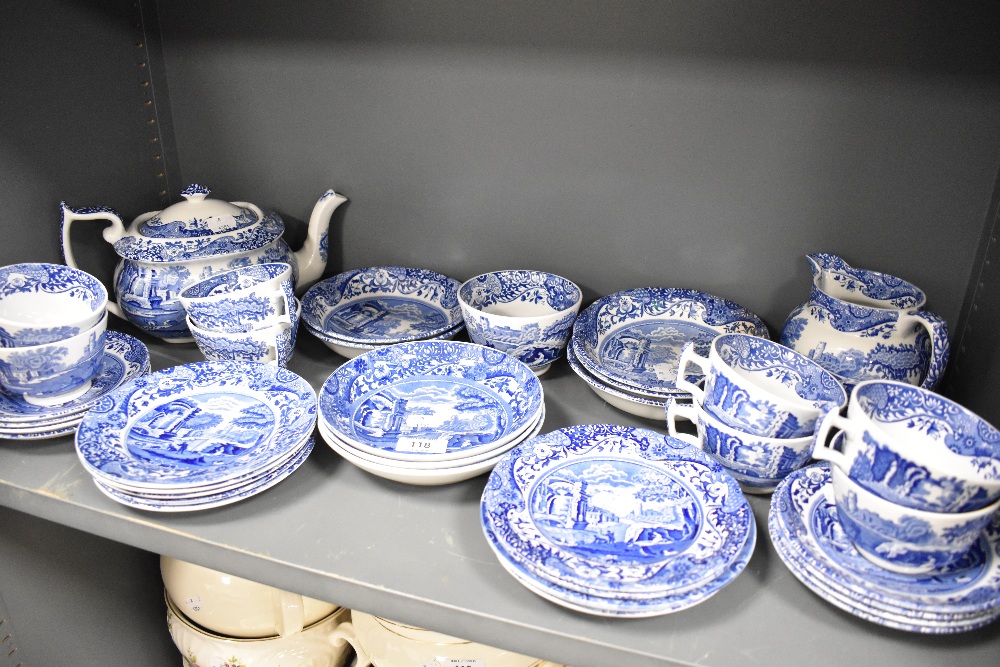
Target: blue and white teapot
<point x="165" y="251"/>
<point x="865" y="325"/>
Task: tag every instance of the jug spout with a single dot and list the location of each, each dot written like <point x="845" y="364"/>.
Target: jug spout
<point x="311" y="257"/>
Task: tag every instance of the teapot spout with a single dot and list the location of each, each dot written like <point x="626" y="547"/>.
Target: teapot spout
<point x="311" y="257"/>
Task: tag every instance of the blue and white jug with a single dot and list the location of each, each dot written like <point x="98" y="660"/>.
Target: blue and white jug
<point x="165" y="251"/>
<point x="865" y="325"/>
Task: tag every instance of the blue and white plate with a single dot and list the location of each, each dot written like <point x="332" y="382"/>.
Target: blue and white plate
<point x="208" y="501"/>
<point x="637" y="608"/>
<point x="628" y="401"/>
<point x="635" y="337"/>
<point x="196" y="424"/>
<point x="808" y="536"/>
<point x="621" y="514"/>
<point x="383" y="304"/>
<point x="125" y="358"/>
<point x="350" y="349"/>
<point x="430" y="400"/>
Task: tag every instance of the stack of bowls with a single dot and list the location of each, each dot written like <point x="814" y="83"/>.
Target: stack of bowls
<point x="757" y="409"/>
<point x="429" y="412"/>
<point x="625" y="346"/>
<point x="247" y="314"/>
<point x="215" y="618"/>
<point x="916" y="476"/>
<point x="364" y="309"/>
<point x="53" y="320"/>
<point x="384" y="643"/>
<point x="527" y="314"/>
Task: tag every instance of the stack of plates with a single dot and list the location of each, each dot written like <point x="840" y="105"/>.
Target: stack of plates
<point x="199" y="435"/>
<point x="125" y="358"/>
<point x="430" y="412"/>
<point x="364" y="309"/>
<point x="808" y="537"/>
<point x="626" y="345"/>
<point x="617" y="521"/>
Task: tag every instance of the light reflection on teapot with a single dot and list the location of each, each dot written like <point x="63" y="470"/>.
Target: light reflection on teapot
<point x="163" y="252"/>
<point x="865" y="325"/>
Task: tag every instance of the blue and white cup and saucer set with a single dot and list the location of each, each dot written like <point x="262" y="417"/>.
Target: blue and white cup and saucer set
<point x="57" y="358"/>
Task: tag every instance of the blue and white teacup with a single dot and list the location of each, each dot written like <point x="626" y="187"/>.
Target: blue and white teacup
<point x="270" y="344"/>
<point x="761" y="387"/>
<point x="44" y="303"/>
<point x="902" y="539"/>
<point x="914" y="447"/>
<point x="53" y="373"/>
<point x="758" y="463"/>
<point x="241" y="300"/>
<point x="527" y="314"/>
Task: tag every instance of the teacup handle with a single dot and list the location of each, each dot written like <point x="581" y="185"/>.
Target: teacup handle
<point x="290" y="608"/>
<point x="689" y="356"/>
<point x="345" y="633"/>
<point x="822" y="442"/>
<point x="111" y="233"/>
<point x="937" y="329"/>
<point x="676" y="409"/>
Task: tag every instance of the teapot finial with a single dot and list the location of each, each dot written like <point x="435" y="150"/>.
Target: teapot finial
<point x="195" y="192"/>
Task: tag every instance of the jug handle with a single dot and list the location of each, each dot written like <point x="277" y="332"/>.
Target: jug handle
<point x="937" y="328"/>
<point x="688" y="412"/>
<point x="111" y="233"/>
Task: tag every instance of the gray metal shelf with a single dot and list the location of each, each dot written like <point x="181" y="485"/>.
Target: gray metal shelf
<point x="417" y="554"/>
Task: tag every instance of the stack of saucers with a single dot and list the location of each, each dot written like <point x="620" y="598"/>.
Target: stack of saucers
<point x="429" y="412"/>
<point x="198" y="435"/>
<point x="364" y="309"/>
<point x="626" y="345"/>
<point x="124" y="358"/>
<point x="810" y="538"/>
<point x="617" y="521"/>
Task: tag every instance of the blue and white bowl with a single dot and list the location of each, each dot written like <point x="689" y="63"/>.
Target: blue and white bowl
<point x="758" y="463"/>
<point x="902" y="539"/>
<point x="914" y="448"/>
<point x="527" y="314"/>
<point x="383" y="305"/>
<point x="44" y="303"/>
<point x="54" y="373"/>
<point x="761" y="387"/>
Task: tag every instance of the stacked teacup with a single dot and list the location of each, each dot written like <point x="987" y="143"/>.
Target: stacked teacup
<point x="52" y="326"/>
<point x="246" y="314"/>
<point x="756" y="409"/>
<point x="218" y="619"/>
<point x="916" y="477"/>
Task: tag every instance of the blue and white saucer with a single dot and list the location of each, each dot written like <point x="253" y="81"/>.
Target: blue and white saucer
<point x="382" y="305"/>
<point x="807" y="535"/>
<point x="430" y="400"/>
<point x="206" y="501"/>
<point x="125" y="358"/>
<point x="626" y="518"/>
<point x="635" y="337"/>
<point x="196" y="425"/>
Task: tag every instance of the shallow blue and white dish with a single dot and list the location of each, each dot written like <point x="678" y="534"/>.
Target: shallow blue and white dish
<point x="125" y="358"/>
<point x="806" y="530"/>
<point x="196" y="424"/>
<point x="670" y="602"/>
<point x="349" y="349"/>
<point x="623" y="514"/>
<point x="215" y="499"/>
<point x="383" y="304"/>
<point x="636" y="336"/>
<point x="630" y="402"/>
<point x="428" y="400"/>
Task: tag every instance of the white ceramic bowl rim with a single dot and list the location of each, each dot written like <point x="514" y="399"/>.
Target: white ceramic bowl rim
<point x="98" y="301"/>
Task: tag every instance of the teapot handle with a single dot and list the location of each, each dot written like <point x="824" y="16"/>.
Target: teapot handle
<point x="937" y="329"/>
<point x="111" y="233"/>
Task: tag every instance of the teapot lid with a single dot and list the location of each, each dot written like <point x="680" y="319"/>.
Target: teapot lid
<point x="197" y="216"/>
<point x="198" y="227"/>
